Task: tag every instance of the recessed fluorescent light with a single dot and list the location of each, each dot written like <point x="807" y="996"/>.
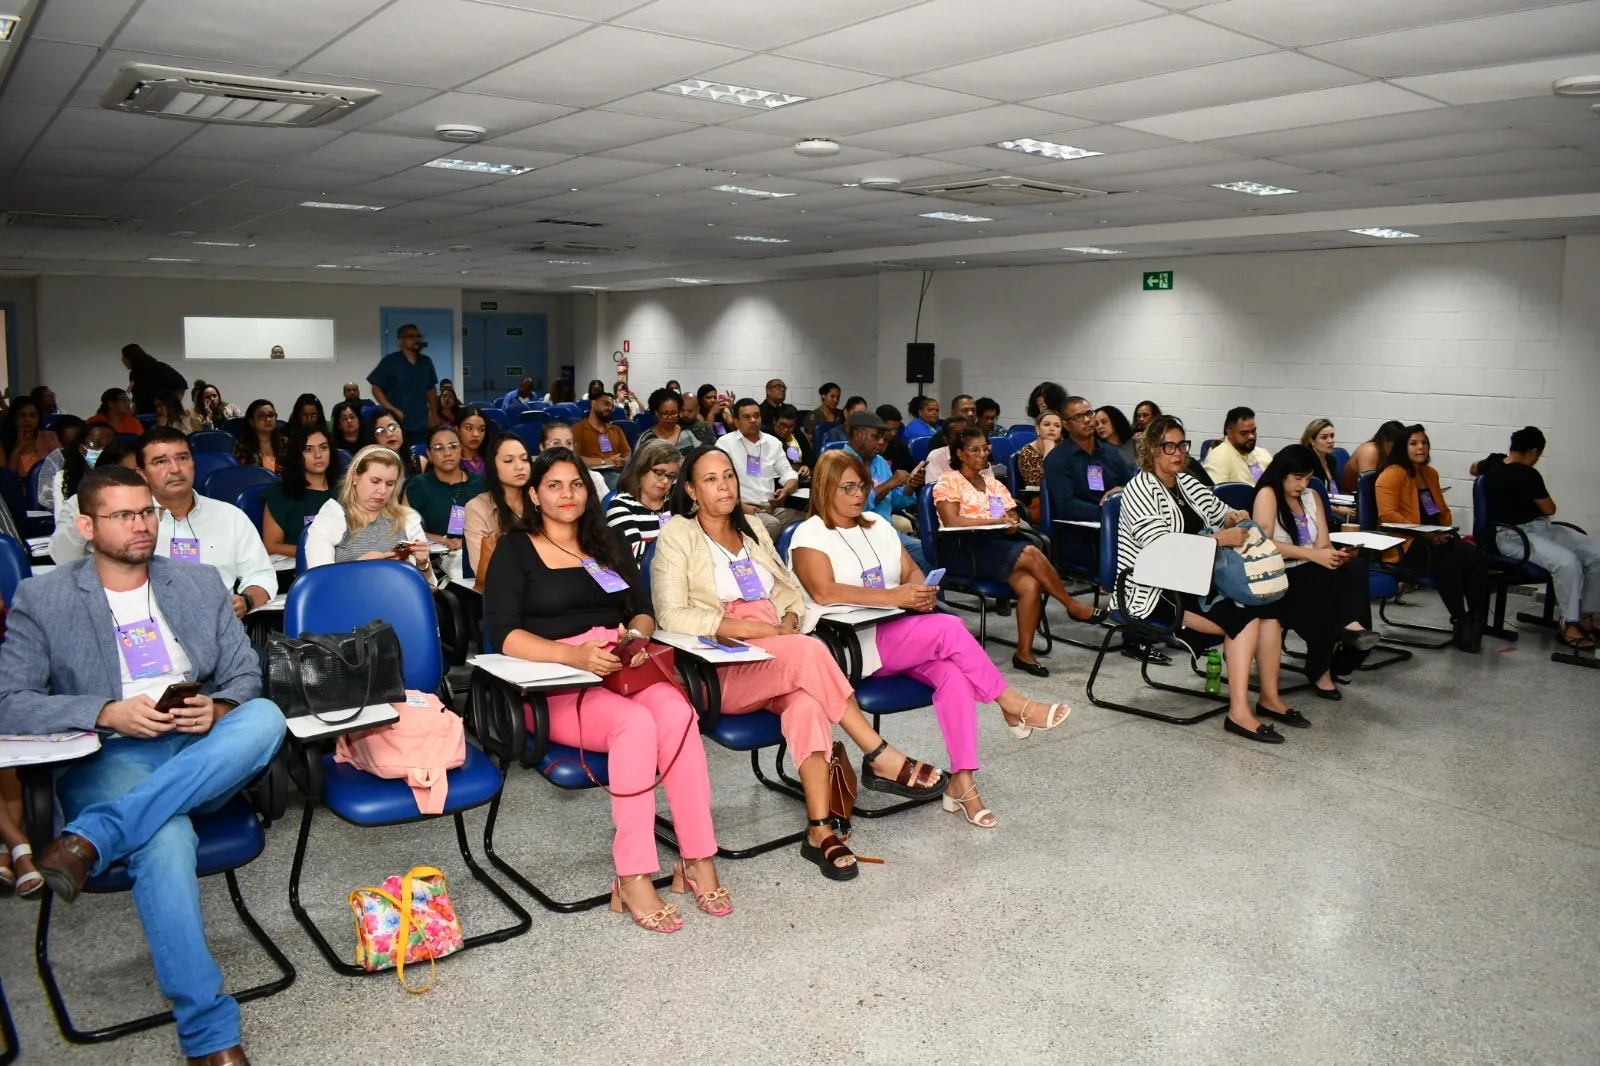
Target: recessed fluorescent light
<point x="1048" y="149"/>
<point x="1089" y="250"/>
<point x="951" y="216"/>
<point x="692" y="281"/>
<point x="568" y="262"/>
<point x="168" y="259"/>
<point x="598" y="288"/>
<point x="478" y="166"/>
<point x="227" y="244"/>
<point x="339" y="207"/>
<point x="1253" y="188"/>
<point x="764" y="240"/>
<point x="1385" y="233"/>
<point x="742" y="191"/>
<point x="8" y="26"/>
<point x="404" y="253"/>
<point x="765" y="99"/>
<point x="336" y="266"/>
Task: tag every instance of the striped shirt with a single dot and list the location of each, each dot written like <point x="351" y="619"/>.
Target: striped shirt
<point x="635" y="523"/>
<point x="1149" y="513"/>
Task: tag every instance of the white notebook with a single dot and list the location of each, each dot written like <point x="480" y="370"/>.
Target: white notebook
<point x="1181" y="562"/>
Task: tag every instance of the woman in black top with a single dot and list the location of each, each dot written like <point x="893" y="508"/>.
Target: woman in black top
<point x="308" y="411"/>
<point x="261" y="442"/>
<point x="567" y="591"/>
<point x="349" y="434"/>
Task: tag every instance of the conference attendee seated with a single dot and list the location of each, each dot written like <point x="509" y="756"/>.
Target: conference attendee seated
<point x="709" y="418"/>
<point x="1407" y="492"/>
<point x="116" y="411"/>
<point x="211" y="409"/>
<point x="844" y="553"/>
<point x="827" y="414"/>
<point x="964" y="406"/>
<point x="940" y="459"/>
<point x="1079" y="474"/>
<point x="303" y="486"/>
<point x="348" y="433"/>
<point x="383" y="429"/>
<point x="669" y="428"/>
<point x="627" y="401"/>
<point x="970" y="496"/>
<point x="987" y="413"/>
<point x="600" y="444"/>
<point x="715" y="574"/>
<point x="22" y="442"/>
<point x="639" y="509"/>
<point x="98" y="446"/>
<point x="1031" y="456"/>
<point x="796" y="447"/>
<point x="1111" y="426"/>
<point x="1236" y="457"/>
<point x="261" y="443"/>
<point x="307" y="411"/>
<point x="170" y="412"/>
<point x="44" y="397"/>
<point x="351" y="391"/>
<point x="440" y="494"/>
<point x="1517" y="497"/>
<point x="1143" y="413"/>
<point x="1161" y="499"/>
<point x="1046" y="396"/>
<point x="1328" y="602"/>
<point x="559" y="435"/>
<point x="504" y="501"/>
<point x="93" y="646"/>
<point x="526" y="392"/>
<point x="887" y="490"/>
<point x="565" y="590"/>
<point x="761" y="464"/>
<point x="68" y="432"/>
<point x="777" y="396"/>
<point x="367" y="519"/>
<point x="473" y="429"/>
<point x="894" y="448"/>
<point x="1319" y="438"/>
<point x="840" y="430"/>
<point x="924" y="412"/>
<point x="1370" y="454"/>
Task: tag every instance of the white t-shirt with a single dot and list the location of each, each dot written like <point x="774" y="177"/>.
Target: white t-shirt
<point x="135" y="606"/>
<point x="852" y="551"/>
<point x="766" y="456"/>
<point x="721" y="569"/>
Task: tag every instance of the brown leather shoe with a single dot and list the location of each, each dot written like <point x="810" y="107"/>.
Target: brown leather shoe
<point x="66" y="863"/>
<point x="233" y="1056"/>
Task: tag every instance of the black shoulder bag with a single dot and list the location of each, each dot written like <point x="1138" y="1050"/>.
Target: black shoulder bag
<point x="326" y="673"/>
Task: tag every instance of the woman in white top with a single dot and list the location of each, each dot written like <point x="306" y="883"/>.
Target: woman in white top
<point x="843" y="555"/>
<point x="1328" y="602"/>
<point x="368" y="521"/>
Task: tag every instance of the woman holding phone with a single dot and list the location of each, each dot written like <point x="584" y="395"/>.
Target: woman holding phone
<point x="845" y="554"/>
<point x="367" y="520"/>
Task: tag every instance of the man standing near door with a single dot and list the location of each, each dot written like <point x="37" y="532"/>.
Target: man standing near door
<point x="404" y="382"/>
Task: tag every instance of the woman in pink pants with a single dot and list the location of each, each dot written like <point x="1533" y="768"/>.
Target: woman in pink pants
<point x="564" y="589"/>
<point x="715" y="574"/>
<point x="843" y="555"/>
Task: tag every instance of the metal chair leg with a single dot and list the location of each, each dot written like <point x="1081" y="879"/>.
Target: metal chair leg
<point x="1144" y="671"/>
<point x="11" y="1046"/>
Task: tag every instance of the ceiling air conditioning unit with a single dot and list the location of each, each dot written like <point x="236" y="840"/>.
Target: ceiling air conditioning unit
<point x="570" y="248"/>
<point x="46" y="220"/>
<point x="233" y="99"/>
<point x="1003" y="191"/>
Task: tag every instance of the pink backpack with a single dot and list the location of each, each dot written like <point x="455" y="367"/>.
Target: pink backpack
<point x="418" y="749"/>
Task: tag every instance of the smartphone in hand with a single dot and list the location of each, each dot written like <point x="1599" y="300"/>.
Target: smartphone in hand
<point x="934" y="577"/>
<point x="176" y="695"/>
<point x="629" y="648"/>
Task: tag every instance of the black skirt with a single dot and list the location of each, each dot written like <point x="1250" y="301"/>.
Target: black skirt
<point x="987" y="556"/>
<point x="1230" y="617"/>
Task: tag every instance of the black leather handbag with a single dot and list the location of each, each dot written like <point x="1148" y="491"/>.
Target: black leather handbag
<point x="324" y="674"/>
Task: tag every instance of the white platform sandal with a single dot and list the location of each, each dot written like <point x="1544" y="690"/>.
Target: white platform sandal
<point x="29" y="884"/>
<point x="984" y="819"/>
<point x="1057" y="714"/>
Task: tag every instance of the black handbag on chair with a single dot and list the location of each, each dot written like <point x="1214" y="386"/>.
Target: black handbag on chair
<point x="325" y="673"/>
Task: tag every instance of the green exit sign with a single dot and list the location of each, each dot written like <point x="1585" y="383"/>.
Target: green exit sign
<point x="488" y="305"/>
<point x="1157" y="279"/>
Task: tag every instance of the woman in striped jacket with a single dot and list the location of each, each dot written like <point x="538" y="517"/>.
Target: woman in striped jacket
<point x="1162" y="499"/>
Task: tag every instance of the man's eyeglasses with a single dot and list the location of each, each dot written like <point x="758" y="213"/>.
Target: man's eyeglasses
<point x="1082" y="416"/>
<point x="128" y="518"/>
<point x="1174" y="447"/>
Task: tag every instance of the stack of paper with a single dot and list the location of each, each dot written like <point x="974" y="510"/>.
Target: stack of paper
<point x="1375" y="541"/>
<point x="277" y="603"/>
<point x="46" y="748"/>
<point x="38" y="546"/>
<point x="1409" y="528"/>
<point x="523" y="672"/>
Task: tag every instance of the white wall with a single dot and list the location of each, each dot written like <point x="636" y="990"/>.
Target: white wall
<point x="1570" y="470"/>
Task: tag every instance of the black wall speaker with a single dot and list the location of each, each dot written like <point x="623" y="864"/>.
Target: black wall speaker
<point x="919" y="364"/>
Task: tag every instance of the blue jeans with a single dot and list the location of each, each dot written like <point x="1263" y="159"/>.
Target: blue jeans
<point x="913" y="548"/>
<point x="1572" y="558"/>
<point x="132" y="801"/>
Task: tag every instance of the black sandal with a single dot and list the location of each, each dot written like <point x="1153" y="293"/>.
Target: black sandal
<point x="903" y="783"/>
<point x="826" y="854"/>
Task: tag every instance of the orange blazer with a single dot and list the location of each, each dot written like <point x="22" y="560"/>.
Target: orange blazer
<point x="1398" y="501"/>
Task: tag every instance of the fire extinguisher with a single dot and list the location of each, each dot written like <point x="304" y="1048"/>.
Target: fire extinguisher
<point x="622" y="366"/>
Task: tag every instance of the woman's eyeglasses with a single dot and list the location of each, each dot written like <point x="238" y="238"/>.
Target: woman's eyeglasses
<point x="1174" y="447"/>
<point x="852" y="488"/>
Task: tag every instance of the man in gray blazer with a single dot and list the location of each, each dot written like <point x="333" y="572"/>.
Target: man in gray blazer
<point x="94" y="645"/>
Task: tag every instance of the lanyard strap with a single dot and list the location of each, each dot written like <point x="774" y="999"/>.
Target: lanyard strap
<point x="857" y="554"/>
<point x="149" y="612"/>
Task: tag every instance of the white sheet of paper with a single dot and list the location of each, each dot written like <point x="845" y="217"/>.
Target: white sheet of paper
<point x="281" y="562"/>
<point x="47" y="748"/>
<point x="974" y="529"/>
<point x="848" y="614"/>
<point x="40" y="514"/>
<point x="310" y="727"/>
<point x="1375" y="541"/>
<point x="686" y="642"/>
<point x="1409" y="528"/>
<point x="41" y="569"/>
<point x="277" y="603"/>
<point x="1081" y="523"/>
<point x="39" y="545"/>
<point x="1181" y="562"/>
<point x="1342" y="501"/>
<point x="515" y="671"/>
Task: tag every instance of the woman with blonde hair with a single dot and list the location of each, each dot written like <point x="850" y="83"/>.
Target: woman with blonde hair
<point x="367" y="520"/>
<point x="1319" y="438"/>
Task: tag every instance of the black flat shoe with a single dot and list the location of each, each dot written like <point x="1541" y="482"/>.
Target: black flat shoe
<point x="1289" y="717"/>
<point x="1029" y="668"/>
<point x="1328" y="693"/>
<point x="1097" y="617"/>
<point x="1146" y="654"/>
<point x="1360" y="639"/>
<point x="1265" y="735"/>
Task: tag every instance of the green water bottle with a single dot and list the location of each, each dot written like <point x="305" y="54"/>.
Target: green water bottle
<point x="1213" y="673"/>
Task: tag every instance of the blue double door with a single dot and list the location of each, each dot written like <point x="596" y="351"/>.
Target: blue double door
<point x="498" y="351"/>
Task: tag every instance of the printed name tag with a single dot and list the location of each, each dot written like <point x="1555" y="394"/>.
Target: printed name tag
<point x="185" y="550"/>
<point x="310" y="518"/>
<point x="1255" y="471"/>
<point x="605" y="443"/>
<point x="752" y="465"/>
<point x="144" y="649"/>
<point x="745" y="576"/>
<point x="793" y="453"/>
<point x="663" y="518"/>
<point x="720" y="428"/>
<point x="416" y="699"/>
<point x="997" y="507"/>
<point x="1097" y="477"/>
<point x="607" y="578"/>
<point x="458" y="520"/>
<point x="872" y="577"/>
<point x="1428" y="506"/>
<point x="1302" y="525"/>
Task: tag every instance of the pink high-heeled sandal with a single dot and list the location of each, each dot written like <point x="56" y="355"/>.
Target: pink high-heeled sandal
<point x="716" y="903"/>
<point x="665" y="920"/>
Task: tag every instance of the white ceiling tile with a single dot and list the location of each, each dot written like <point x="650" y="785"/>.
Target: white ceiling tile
<point x="942" y="32"/>
<point x="390" y="101"/>
<point x="1525" y="35"/>
<point x="1110" y="140"/>
<point x="372" y="153"/>
<point x="207" y="171"/>
<point x="250" y="143"/>
<point x="752" y="25"/>
<point x="85" y="162"/>
<point x="46" y="72"/>
<point x="241" y="31"/>
<point x="1264" y="172"/>
<point x="1533" y="111"/>
<point x="792" y="76"/>
<point x="463" y="41"/>
<point x="910" y="168"/>
<point x="785" y="161"/>
<point x="1150" y="160"/>
<point x="590" y="10"/>
<point x="984" y="126"/>
<point x="1315" y="21"/>
<point x="604" y="64"/>
<point x="495" y="153"/>
<point x="1530" y="162"/>
<point x="306" y="179"/>
<point x="696" y="146"/>
<point x="1355" y="133"/>
<point x="1548" y="183"/>
<point x="79" y="21"/>
<point x="1448" y="146"/>
<point x="675" y="108"/>
<point x="497" y="115"/>
<point x="391" y="189"/>
<point x="20" y="124"/>
<point x="1584" y="135"/>
<point x="1512" y="82"/>
<point x="670" y="180"/>
<point x="85" y="127"/>
<point x="587" y="171"/>
<point x="591" y="131"/>
<point x="1171" y="42"/>
<point x="889" y="103"/>
<point x="1273" y="74"/>
<point x="1285" y="112"/>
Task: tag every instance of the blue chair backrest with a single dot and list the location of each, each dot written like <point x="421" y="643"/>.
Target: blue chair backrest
<point x="536" y="405"/>
<point x="927" y="523"/>
<point x="208" y="463"/>
<point x="1207" y="445"/>
<point x="345" y="459"/>
<point x="784" y="538"/>
<point x="1110" y="516"/>
<point x="420" y="450"/>
<point x="1001" y="449"/>
<point x="226" y="484"/>
<point x="1327" y="505"/>
<point x="234" y="427"/>
<point x="583" y="405"/>
<point x="919" y="448"/>
<point x="1482" y="520"/>
<point x="495" y="418"/>
<point x="146" y="420"/>
<point x="567" y="412"/>
<point x="644" y="566"/>
<point x="834" y="444"/>
<point x="338" y="598"/>
<point x="13" y="492"/>
<point x="605" y="503"/>
<point x="529" y="432"/>
<point x="645" y="419"/>
<point x="1340" y="457"/>
<point x="252" y="501"/>
<point x="1025" y="430"/>
<point x="1367" y="501"/>
<point x="129" y="440"/>
<point x="1240" y="495"/>
<point x="533" y="418"/>
<point x="367" y="409"/>
<point x="211" y="440"/>
<point x="14" y="566"/>
<point x="630" y="431"/>
<point x="35" y="472"/>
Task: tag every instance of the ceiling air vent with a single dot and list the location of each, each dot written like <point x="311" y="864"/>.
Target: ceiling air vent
<point x="234" y="99"/>
<point x="565" y="248"/>
<point x="568" y="222"/>
<point x="1002" y="192"/>
<point x="44" y="220"/>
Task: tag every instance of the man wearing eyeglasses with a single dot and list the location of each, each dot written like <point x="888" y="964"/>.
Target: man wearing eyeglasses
<point x="440" y="494"/>
<point x="405" y="382"/>
<point x="94" y="645"/>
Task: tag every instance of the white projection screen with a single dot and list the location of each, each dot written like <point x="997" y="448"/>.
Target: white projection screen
<point x="254" y="338"/>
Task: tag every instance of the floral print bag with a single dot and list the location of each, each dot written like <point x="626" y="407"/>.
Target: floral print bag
<point x="408" y="919"/>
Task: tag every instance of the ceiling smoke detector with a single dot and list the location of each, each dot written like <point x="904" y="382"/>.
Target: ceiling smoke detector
<point x="816" y="147"/>
<point x="459" y="132"/>
<point x="1584" y="85"/>
<point x="889" y="184"/>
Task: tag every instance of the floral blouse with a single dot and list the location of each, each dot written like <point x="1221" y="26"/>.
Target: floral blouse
<point x="955" y="488"/>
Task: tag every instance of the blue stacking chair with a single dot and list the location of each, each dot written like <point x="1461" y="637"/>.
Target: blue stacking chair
<point x="566" y="412"/>
<point x="583" y="406"/>
<point x="420" y="450"/>
<point x="14" y="566"/>
<point x="918" y="448"/>
<point x="1384" y="580"/>
<point x="211" y="440"/>
<point x="530" y="433"/>
<point x="235" y="427"/>
<point x="536" y="405"/>
<point x="252" y="501"/>
<point x="533" y="418"/>
<point x="630" y="431"/>
<point x="367" y="409"/>
<point x="1240" y="495"/>
<point x="1207" y="445"/>
<point x="300" y="553"/>
<point x="227" y="482"/>
<point x="835" y="444"/>
<point x="1023" y="431"/>
<point x="496" y="419"/>
<point x="1507" y="570"/>
<point x="146" y="420"/>
<point x="645" y="419"/>
<point x="14" y="494"/>
<point x="207" y="463"/>
<point x="337" y="599"/>
<point x="981" y="589"/>
<point x="1001" y="449"/>
<point x="1145" y="631"/>
<point x="1340" y="458"/>
<point x="35" y="474"/>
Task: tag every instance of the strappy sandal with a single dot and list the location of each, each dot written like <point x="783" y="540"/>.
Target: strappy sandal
<point x="30" y="884"/>
<point x="906" y="782"/>
<point x="665" y="920"/>
<point x="984" y="819"/>
<point x="1024" y="728"/>
<point x="716" y="903"/>
<point x="8" y="877"/>
<point x="827" y="854"/>
<point x="1582" y="642"/>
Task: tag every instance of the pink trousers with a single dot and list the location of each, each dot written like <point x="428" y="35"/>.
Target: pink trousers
<point x="937" y="650"/>
<point x="640" y="736"/>
<point x="800" y="683"/>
